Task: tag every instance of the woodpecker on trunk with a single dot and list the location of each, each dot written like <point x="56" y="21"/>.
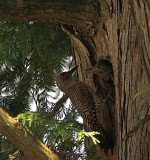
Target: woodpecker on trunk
<point x="82" y="98"/>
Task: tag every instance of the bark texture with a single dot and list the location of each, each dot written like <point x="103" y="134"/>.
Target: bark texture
<point x="80" y="14"/>
<point x="122" y="37"/>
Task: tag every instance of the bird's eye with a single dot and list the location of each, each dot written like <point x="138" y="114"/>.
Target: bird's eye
<point x="98" y="66"/>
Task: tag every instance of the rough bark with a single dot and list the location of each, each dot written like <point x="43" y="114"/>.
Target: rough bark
<point x="124" y="37"/>
<point x="121" y="35"/>
<point x="80" y="14"/>
<point x="31" y="148"/>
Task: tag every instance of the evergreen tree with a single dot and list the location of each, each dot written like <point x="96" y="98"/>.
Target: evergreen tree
<point x="31" y="55"/>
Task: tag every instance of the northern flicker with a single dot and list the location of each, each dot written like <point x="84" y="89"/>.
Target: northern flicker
<point x="103" y="69"/>
<point x="81" y="96"/>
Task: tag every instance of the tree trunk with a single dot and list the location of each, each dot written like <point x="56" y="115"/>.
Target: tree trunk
<point x="123" y="38"/>
<point x="112" y="30"/>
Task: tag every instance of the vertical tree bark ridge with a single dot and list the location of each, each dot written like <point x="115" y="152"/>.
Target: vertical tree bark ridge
<point x="141" y="13"/>
<point x="134" y="49"/>
<point x="24" y="139"/>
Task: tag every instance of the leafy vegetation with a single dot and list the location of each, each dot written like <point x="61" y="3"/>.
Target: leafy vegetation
<point x="31" y="55"/>
<point x="89" y="134"/>
<point x="59" y="135"/>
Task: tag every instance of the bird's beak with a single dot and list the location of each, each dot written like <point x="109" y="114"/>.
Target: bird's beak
<point x="72" y="70"/>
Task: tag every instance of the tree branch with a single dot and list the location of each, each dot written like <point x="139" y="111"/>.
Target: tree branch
<point x="31" y="147"/>
<point x="80" y="14"/>
<point x="136" y="127"/>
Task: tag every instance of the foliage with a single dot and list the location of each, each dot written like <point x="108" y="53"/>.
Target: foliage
<point x="6" y="148"/>
<point x="45" y="41"/>
<point x="63" y="135"/>
<point x="60" y="135"/>
<point x="89" y="134"/>
<point x="30" y="56"/>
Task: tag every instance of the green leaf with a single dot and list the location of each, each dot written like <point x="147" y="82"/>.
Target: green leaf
<point x="89" y="134"/>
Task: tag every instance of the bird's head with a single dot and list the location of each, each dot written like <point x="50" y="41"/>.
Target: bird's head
<point x="64" y="80"/>
<point x="95" y="69"/>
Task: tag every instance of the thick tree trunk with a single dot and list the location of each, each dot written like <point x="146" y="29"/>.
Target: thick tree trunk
<point x="124" y="37"/>
<point x="116" y="31"/>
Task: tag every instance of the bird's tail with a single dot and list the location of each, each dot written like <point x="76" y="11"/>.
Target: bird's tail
<point x="105" y="142"/>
